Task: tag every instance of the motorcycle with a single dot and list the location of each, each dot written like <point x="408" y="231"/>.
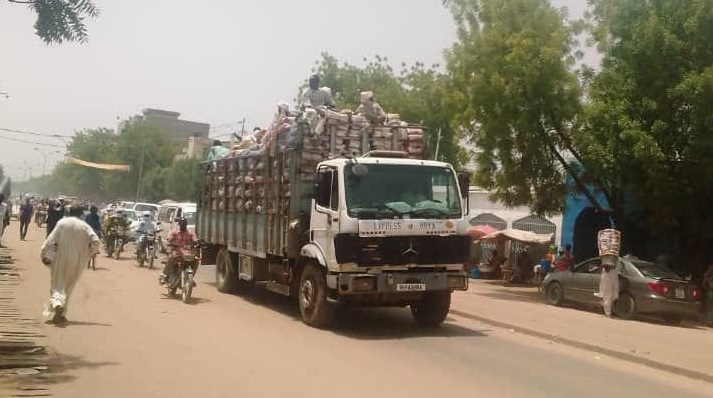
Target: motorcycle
<point x="183" y="273"/>
<point x="146" y="249"/>
<point x="114" y="243"/>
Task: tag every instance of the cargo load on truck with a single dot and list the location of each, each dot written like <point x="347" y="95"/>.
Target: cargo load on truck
<point x="274" y="212"/>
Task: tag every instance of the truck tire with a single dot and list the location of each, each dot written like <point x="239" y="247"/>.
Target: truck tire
<point x="225" y="277"/>
<point x="316" y="310"/>
<point x="433" y="309"/>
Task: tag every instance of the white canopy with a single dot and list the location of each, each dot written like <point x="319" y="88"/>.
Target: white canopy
<point x="519" y="235"/>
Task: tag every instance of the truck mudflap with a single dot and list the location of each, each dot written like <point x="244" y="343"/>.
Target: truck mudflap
<point x="397" y="282"/>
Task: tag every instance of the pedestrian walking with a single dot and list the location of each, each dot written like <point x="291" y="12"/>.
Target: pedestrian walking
<point x="66" y="251"/>
<point x="4" y="216"/>
<point x="708" y="293"/>
<point x="609" y="286"/>
<point x="26" y="211"/>
<point x="54" y="214"/>
<point x="94" y="221"/>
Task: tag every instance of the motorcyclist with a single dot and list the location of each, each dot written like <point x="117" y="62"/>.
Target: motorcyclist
<point x="177" y="240"/>
<point x="116" y="227"/>
<point x="145" y="227"/>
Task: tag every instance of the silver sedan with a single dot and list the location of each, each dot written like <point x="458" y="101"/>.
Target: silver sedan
<point x="645" y="288"/>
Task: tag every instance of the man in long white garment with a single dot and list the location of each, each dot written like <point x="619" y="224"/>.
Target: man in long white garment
<point x="609" y="284"/>
<point x="67" y="250"/>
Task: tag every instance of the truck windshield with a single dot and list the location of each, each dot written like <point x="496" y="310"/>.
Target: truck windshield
<point x="387" y="191"/>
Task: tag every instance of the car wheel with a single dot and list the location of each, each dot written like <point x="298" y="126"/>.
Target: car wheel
<point x="554" y="294"/>
<point x="625" y="306"/>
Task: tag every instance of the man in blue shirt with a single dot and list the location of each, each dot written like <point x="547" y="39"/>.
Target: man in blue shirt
<point x="26" y="211"/>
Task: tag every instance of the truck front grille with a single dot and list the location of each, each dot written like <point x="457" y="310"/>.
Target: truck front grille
<point x="401" y="250"/>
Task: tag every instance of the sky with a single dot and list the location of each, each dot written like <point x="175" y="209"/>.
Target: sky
<point x="215" y="61"/>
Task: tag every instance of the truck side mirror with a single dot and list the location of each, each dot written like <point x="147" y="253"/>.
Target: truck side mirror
<point x="317" y="186"/>
<point x="464" y="182"/>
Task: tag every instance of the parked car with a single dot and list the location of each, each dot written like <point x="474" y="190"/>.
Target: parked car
<point x="645" y="288"/>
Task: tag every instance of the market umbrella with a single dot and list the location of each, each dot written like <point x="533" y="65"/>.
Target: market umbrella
<point x="478" y="231"/>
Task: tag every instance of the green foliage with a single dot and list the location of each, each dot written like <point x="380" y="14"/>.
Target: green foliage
<point x="513" y="86"/>
<point x="61" y="21"/>
<point x="181" y="181"/>
<point x="140" y="146"/>
<point x="417" y="93"/>
<point x="649" y="128"/>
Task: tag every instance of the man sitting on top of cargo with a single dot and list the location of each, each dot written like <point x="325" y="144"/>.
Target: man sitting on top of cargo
<point x="372" y="111"/>
<point x="217" y="151"/>
<point x="315" y="97"/>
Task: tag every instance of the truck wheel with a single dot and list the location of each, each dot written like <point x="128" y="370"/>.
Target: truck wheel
<point x="312" y="296"/>
<point x="225" y="277"/>
<point x="433" y="309"/>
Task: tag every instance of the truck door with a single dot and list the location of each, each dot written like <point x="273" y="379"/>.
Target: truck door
<point x="324" y="224"/>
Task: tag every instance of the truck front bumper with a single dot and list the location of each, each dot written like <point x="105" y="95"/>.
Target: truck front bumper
<point x="397" y="282"/>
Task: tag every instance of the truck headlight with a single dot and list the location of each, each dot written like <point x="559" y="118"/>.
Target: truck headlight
<point x="364" y="284"/>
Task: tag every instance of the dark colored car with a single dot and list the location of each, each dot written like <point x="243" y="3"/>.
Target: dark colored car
<point x="645" y="288"/>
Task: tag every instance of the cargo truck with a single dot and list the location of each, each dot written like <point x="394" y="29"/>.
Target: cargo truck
<point x="334" y="211"/>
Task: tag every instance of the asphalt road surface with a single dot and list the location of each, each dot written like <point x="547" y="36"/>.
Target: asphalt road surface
<point x="126" y="339"/>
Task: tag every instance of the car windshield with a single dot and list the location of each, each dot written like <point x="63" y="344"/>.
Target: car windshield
<point x="388" y="191"/>
<point x="651" y="270"/>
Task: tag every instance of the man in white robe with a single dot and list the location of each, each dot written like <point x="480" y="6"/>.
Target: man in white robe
<point x="609" y="283"/>
<point x="67" y="251"/>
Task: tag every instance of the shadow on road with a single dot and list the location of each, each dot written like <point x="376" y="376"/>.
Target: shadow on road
<point x="393" y="323"/>
<point x="62" y="365"/>
<point x="82" y="323"/>
<point x="362" y="322"/>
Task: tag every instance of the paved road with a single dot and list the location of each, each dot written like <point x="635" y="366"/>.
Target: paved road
<point x="126" y="339"/>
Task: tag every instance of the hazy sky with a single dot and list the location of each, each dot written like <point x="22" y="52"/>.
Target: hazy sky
<point x="214" y="61"/>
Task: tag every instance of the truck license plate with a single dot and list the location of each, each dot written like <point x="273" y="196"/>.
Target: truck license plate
<point x="411" y="287"/>
<point x="680" y="293"/>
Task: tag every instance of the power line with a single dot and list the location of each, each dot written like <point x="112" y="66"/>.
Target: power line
<point x="33" y="133"/>
<point x="31" y="142"/>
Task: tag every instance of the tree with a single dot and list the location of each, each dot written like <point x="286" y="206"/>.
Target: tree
<point x="417" y="93"/>
<point x="649" y="130"/>
<point x="91" y="145"/>
<point x="61" y="20"/>
<point x="181" y="181"/>
<point x="516" y="96"/>
<point x="143" y="148"/>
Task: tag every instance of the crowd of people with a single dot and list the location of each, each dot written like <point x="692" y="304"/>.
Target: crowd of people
<point x="72" y="239"/>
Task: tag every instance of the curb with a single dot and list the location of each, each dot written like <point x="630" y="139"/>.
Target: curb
<point x="590" y="347"/>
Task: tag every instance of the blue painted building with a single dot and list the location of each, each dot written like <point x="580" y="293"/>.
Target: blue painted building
<point x="581" y="221"/>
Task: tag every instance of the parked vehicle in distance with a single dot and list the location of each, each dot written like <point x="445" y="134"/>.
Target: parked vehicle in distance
<point x="645" y="288"/>
<point x="142" y="207"/>
<point x="166" y="218"/>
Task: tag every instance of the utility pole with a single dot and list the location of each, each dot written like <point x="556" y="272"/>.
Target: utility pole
<point x="141" y="170"/>
<point x="438" y="144"/>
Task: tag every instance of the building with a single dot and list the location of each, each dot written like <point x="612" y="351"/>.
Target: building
<point x="483" y="211"/>
<point x="168" y="123"/>
<point x="197" y="147"/>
